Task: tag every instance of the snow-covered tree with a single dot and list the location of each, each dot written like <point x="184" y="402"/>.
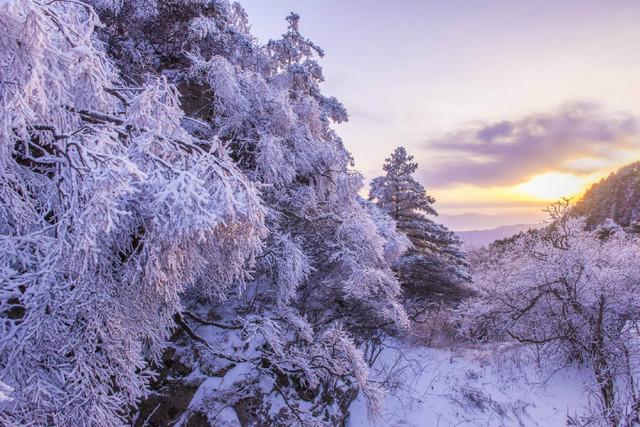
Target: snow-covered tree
<point x="163" y="176"/>
<point x="435" y="266"/>
<point x="572" y="294"/>
<point x="110" y="210"/>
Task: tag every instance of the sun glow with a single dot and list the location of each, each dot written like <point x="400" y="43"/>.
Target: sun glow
<point x="552" y="186"/>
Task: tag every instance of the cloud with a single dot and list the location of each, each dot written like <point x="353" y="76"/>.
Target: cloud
<point x="488" y="133"/>
<point x="576" y="138"/>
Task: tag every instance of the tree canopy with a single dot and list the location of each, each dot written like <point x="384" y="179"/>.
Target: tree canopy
<point x="435" y="266"/>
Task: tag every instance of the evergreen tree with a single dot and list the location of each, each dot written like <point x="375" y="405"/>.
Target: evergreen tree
<point x="436" y="266"/>
<point x="177" y="213"/>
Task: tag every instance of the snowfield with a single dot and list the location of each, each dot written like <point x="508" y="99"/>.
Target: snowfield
<point x="472" y="387"/>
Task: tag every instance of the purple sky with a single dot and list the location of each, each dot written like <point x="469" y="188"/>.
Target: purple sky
<point x="435" y="76"/>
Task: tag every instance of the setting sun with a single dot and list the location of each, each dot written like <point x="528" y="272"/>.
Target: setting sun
<point x="552" y="186"/>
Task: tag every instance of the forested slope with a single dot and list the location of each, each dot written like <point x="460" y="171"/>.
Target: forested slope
<point x="616" y="197"/>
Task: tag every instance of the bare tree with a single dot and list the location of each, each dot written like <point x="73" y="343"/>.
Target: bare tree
<point x="573" y="294"/>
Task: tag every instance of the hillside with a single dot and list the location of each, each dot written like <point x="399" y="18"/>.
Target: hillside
<point x="616" y="197"/>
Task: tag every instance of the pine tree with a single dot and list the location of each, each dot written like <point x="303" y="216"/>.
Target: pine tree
<point x="436" y="265"/>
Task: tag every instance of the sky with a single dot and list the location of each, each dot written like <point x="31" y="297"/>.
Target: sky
<point x="506" y="105"/>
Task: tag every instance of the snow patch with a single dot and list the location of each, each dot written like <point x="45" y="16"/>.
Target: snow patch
<point x="471" y="387"/>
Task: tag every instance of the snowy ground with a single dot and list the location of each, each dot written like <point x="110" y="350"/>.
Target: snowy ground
<point x="472" y="387"/>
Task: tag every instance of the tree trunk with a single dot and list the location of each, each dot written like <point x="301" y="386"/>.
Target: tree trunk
<point x="602" y="369"/>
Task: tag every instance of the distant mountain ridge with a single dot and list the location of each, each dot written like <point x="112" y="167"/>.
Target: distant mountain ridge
<point x="474" y="221"/>
<point x="616" y="197"/>
<point x="476" y="239"/>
